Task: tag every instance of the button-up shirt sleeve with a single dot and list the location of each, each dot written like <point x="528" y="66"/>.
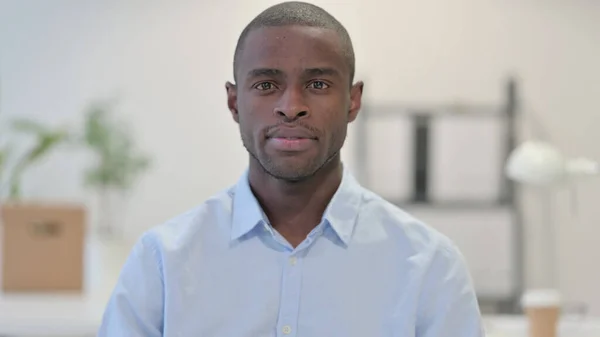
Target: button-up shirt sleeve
<point x="448" y="304"/>
<point x="136" y="306"/>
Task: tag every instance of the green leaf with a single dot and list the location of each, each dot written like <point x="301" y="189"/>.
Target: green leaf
<point x="118" y="161"/>
<point x="45" y="143"/>
<point x="46" y="140"/>
<point x="28" y="126"/>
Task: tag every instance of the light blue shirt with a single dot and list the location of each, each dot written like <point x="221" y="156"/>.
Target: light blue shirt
<point x="367" y="270"/>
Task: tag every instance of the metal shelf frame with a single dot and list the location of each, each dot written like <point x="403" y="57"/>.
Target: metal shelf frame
<point x="422" y="114"/>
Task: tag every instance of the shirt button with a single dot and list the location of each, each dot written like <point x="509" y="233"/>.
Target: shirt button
<point x="287" y="329"/>
<point x="292" y="261"/>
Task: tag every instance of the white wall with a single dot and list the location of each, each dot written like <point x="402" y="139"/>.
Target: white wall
<point x="169" y="62"/>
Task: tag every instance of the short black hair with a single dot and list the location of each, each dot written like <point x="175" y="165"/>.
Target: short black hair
<point x="301" y="14"/>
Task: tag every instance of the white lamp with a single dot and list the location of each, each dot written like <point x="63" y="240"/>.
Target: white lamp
<point x="537" y="163"/>
<point x="540" y="164"/>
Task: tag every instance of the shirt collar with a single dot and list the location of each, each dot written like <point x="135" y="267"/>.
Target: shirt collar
<point x="247" y="212"/>
<point x="341" y="213"/>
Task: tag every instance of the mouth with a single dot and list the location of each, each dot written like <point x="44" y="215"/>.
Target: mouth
<point x="290" y="144"/>
<point x="291" y="133"/>
<point x="290" y="139"/>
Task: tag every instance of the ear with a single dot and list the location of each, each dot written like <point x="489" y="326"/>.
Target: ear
<point x="232" y="100"/>
<point x="355" y="100"/>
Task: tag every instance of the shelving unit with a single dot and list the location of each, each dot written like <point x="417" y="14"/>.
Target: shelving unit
<point x="421" y="117"/>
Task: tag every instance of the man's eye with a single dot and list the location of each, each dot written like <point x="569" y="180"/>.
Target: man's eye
<point x="318" y="85"/>
<point x="264" y="86"/>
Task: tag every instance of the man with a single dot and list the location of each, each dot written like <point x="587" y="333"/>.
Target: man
<point x="297" y="247"/>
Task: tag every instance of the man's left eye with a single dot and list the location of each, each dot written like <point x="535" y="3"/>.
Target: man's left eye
<point x="318" y="85"/>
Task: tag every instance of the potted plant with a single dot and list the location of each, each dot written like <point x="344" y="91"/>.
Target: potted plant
<point x="117" y="162"/>
<point x="42" y="241"/>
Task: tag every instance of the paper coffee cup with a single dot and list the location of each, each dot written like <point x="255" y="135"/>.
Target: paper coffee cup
<point x="542" y="308"/>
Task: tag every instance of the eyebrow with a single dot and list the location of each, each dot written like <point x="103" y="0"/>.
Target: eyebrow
<point x="321" y="72"/>
<point x="265" y="72"/>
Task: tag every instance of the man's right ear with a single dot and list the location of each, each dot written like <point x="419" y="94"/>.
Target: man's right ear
<point x="232" y="101"/>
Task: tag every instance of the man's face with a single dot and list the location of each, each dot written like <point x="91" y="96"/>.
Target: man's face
<point x="293" y="100"/>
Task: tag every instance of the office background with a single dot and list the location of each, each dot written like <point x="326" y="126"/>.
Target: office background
<point x="167" y="63"/>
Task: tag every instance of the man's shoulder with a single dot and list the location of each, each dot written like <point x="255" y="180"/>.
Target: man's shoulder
<point x="206" y="220"/>
<point x="404" y="228"/>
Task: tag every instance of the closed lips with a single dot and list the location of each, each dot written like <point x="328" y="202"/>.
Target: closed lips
<point x="291" y="140"/>
<point x="291" y="133"/>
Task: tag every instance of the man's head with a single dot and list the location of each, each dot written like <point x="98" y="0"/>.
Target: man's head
<point x="294" y="97"/>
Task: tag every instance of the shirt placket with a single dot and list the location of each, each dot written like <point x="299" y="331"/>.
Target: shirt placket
<point x="291" y="288"/>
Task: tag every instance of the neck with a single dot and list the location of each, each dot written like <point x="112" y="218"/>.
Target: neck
<point x="295" y="208"/>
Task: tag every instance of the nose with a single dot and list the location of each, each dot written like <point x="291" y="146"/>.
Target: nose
<point x="292" y="106"/>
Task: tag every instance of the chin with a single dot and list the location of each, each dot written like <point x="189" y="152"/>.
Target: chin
<point x="289" y="171"/>
<point x="292" y="178"/>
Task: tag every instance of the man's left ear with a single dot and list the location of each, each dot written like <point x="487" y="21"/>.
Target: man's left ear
<point x="355" y="100"/>
<point x="232" y="101"/>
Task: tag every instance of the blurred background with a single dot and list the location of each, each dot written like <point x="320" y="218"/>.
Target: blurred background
<point x="125" y="101"/>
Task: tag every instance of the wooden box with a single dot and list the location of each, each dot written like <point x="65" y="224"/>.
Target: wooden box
<point x="42" y="247"/>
